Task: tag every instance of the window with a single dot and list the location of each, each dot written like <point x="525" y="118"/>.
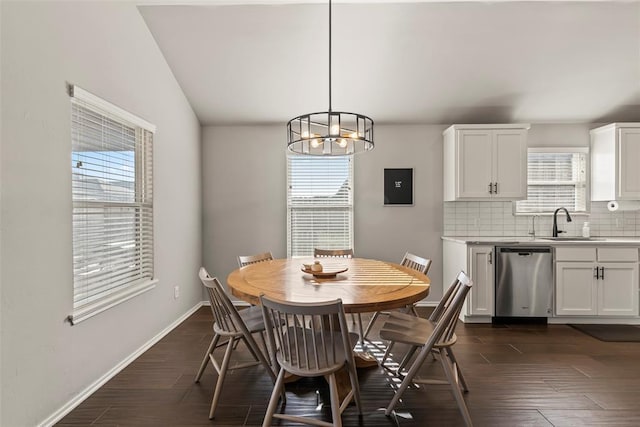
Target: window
<point x="111" y="176"/>
<point x="556" y="177"/>
<point x="319" y="204"/>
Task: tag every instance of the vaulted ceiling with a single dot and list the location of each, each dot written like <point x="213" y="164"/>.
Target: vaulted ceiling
<point x="416" y="62"/>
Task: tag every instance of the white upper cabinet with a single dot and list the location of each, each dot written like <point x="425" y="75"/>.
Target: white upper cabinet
<point x="484" y="162"/>
<point x="615" y="155"/>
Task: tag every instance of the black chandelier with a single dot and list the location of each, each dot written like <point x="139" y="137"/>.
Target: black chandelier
<point x="330" y="133"/>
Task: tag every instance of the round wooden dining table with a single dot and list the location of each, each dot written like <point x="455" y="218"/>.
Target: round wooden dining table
<point x="363" y="285"/>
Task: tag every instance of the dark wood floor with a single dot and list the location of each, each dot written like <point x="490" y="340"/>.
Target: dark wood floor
<point x="518" y="375"/>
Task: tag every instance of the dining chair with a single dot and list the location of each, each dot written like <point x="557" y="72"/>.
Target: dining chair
<point x="428" y="336"/>
<point x="416" y="263"/>
<point x="435" y="316"/>
<point x="252" y="259"/>
<point x="235" y="326"/>
<point x="341" y="253"/>
<point x="313" y="341"/>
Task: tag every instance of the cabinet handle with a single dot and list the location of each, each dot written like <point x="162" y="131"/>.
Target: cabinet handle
<point x="602" y="273"/>
<point x="495" y="188"/>
<point x="490" y="257"/>
<point x="490" y="188"/>
<point x="595" y="273"/>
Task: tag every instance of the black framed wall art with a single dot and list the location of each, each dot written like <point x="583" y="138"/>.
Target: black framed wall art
<point x="398" y="186"/>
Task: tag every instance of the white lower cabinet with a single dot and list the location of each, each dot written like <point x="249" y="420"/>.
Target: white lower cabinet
<point x="477" y="262"/>
<point x="590" y="281"/>
<point x="481" y="295"/>
<point x="576" y="291"/>
<point x="587" y="286"/>
<point x="618" y="289"/>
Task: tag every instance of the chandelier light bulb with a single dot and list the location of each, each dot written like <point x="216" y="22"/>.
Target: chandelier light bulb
<point x="342" y="143"/>
<point x="315" y="143"/>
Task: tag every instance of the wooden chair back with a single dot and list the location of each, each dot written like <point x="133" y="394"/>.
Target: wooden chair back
<point x="416" y="263"/>
<point x="226" y="319"/>
<point x="252" y="259"/>
<point x="449" y="318"/>
<point x="313" y="338"/>
<point x="333" y="253"/>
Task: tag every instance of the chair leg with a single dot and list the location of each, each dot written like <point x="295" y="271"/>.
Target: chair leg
<point x="455" y="389"/>
<point x="388" y="351"/>
<point x="250" y="348"/>
<point x="264" y="344"/>
<point x="335" y="401"/>
<point x="406" y="358"/>
<point x="408" y="379"/>
<point x="260" y="356"/>
<point x="353" y="319"/>
<point x="371" y="322"/>
<point x="412" y="310"/>
<point x="355" y="385"/>
<point x="360" y="329"/>
<point x="205" y="360"/>
<point x="454" y="362"/>
<point x="221" y="375"/>
<point x="273" y="402"/>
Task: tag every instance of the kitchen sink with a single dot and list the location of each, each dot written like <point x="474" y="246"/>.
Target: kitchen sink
<point x="572" y="239"/>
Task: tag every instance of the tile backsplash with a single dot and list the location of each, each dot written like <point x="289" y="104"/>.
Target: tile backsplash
<point x="497" y="219"/>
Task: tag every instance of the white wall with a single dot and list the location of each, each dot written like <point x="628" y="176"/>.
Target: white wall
<point x="244" y="196"/>
<point x="387" y="232"/>
<point x="106" y="48"/>
<point x="559" y="135"/>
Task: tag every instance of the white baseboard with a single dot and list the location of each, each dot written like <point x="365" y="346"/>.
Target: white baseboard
<point x="84" y="394"/>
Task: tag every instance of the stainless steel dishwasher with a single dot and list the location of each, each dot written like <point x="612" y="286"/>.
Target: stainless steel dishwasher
<point x="524" y="281"/>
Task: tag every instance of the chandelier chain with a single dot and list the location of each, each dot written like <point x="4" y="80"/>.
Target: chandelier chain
<point x="329" y="56"/>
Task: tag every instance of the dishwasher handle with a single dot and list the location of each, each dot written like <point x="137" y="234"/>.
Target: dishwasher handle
<point x="524" y="251"/>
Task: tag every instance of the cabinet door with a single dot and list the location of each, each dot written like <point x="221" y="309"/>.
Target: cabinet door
<point x="510" y="164"/>
<point x="481" y="295"/>
<point x="474" y="164"/>
<point x="576" y="291"/>
<point x="629" y="173"/>
<point x="618" y="290"/>
<point x="603" y="164"/>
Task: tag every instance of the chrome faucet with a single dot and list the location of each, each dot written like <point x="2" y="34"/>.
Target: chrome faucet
<point x="532" y="233"/>
<point x="555" y="221"/>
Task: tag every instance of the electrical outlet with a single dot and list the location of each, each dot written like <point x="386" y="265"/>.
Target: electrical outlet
<point x="176" y="292"/>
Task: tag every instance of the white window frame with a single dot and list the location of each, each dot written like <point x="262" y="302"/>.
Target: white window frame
<point x="344" y="204"/>
<point x="114" y="278"/>
<point x="586" y="182"/>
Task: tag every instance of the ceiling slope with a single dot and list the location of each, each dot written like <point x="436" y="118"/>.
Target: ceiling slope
<point x="430" y="63"/>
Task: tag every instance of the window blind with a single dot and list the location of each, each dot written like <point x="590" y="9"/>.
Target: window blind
<point x="319" y="204"/>
<point x="112" y="193"/>
<point x="555" y="179"/>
